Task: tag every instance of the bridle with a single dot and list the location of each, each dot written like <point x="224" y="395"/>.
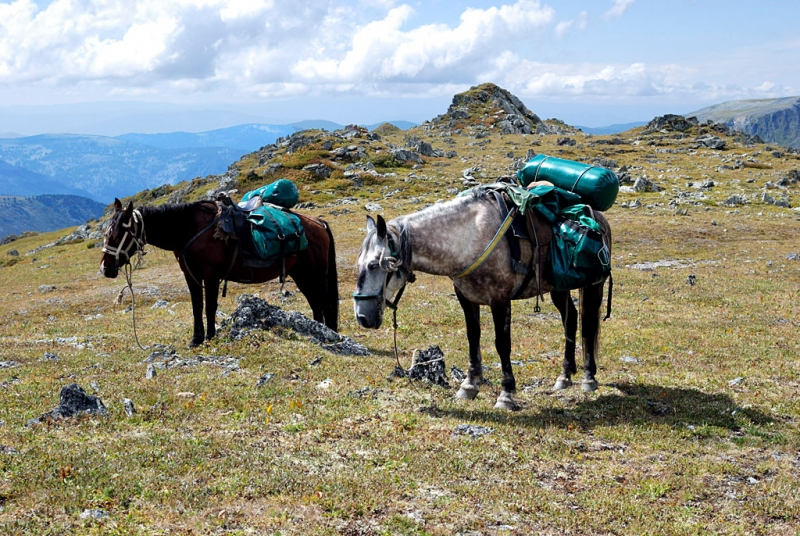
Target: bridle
<point x="134" y="229"/>
<point x="390" y="264"/>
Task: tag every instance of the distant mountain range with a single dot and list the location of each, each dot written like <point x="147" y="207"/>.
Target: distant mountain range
<point x="773" y="120"/>
<point x="102" y="168"/>
<point x="45" y="213"/>
<point x="611" y="129"/>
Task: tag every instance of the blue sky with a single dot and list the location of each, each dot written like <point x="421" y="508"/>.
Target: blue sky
<point x="114" y="66"/>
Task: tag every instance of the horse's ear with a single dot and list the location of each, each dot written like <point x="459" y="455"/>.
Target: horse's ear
<point x="129" y="208"/>
<point x="117" y="205"/>
<point x="370" y="224"/>
<point x="381" y="227"/>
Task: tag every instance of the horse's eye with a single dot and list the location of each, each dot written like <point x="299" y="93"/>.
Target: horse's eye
<point x="373" y="265"/>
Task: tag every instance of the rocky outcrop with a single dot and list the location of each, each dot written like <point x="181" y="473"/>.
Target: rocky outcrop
<point x="772" y="120"/>
<point x="490" y="107"/>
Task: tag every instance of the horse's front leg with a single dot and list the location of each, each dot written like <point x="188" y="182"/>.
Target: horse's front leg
<point x="212" y="295"/>
<point x="196" y="292"/>
<point x="472" y="315"/>
<point x="569" y="319"/>
<point x="591" y="300"/>
<point x="501" y="314"/>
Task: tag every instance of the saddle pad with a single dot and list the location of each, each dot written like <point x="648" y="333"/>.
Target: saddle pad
<point x="276" y="232"/>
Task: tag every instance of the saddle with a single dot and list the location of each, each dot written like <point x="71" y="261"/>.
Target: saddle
<point x="264" y="233"/>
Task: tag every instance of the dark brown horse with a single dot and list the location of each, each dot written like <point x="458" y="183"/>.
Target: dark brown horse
<point x="187" y="229"/>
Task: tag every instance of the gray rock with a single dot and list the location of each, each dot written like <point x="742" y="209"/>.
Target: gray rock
<point x="93" y="513"/>
<point x="472" y="430"/>
<point x="46" y="288"/>
<point x="73" y="401"/>
<point x="265" y="379"/>
<point x="373" y="207"/>
<point x="426" y="365"/>
<point x="160" y="304"/>
<point x="712" y="142"/>
<point x="254" y="313"/>
<point x="49" y="356"/>
<point x="151" y="372"/>
<point x="8" y="364"/>
<point x="768" y="199"/>
<point x="127" y="404"/>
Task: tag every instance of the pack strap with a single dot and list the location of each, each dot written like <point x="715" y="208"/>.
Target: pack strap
<point x="490" y="247"/>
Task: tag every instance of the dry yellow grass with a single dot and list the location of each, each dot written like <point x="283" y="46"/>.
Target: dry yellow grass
<point x="694" y="428"/>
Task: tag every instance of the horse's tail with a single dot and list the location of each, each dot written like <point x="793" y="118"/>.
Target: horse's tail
<point x="331" y="307"/>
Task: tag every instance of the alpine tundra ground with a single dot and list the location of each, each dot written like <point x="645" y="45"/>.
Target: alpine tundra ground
<point x="693" y="430"/>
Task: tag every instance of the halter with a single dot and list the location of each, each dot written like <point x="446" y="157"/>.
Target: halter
<point x="389" y="264"/>
<point x="134" y="229"/>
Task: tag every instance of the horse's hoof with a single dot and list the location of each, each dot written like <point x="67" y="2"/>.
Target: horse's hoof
<point x="195" y="343"/>
<point x="468" y="392"/>
<point x="506" y="401"/>
<point x="562" y="382"/>
<point x="587" y="386"/>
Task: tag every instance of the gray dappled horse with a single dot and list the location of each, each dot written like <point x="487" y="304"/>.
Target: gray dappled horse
<point x="446" y="238"/>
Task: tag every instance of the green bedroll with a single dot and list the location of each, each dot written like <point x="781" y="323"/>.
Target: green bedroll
<point x="282" y="192"/>
<point x="597" y="186"/>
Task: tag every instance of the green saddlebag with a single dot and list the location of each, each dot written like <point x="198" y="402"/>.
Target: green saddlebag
<point x="578" y="255"/>
<point x="282" y="192"/>
<point x="276" y="233"/>
<point x="597" y="186"/>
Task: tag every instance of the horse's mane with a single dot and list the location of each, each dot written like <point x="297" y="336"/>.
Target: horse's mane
<point x="176" y="219"/>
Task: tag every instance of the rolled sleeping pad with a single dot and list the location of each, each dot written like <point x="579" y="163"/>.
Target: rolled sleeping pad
<point x="597" y="186"/>
<point x="282" y="192"/>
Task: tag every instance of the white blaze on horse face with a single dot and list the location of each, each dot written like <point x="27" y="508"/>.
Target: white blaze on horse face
<point x="371" y="283"/>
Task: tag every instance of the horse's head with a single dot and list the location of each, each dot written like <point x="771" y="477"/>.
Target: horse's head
<point x="381" y="273"/>
<point x="124" y="237"/>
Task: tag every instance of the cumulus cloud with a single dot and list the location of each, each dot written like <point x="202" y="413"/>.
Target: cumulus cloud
<point x="618" y="8"/>
<point x="253" y="49"/>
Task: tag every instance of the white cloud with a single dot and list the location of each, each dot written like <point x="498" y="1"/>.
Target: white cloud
<point x="257" y="49"/>
<point x="618" y="8"/>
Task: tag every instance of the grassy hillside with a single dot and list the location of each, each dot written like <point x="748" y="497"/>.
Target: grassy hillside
<point x="45" y="212"/>
<point x="694" y="428"/>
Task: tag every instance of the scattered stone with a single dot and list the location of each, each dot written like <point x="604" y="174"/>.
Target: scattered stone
<point x="768" y="199"/>
<point x="793" y="257"/>
<point x="457" y="374"/>
<point x="8" y="364"/>
<point x="711" y="142"/>
<point x="325" y="384"/>
<point x="736" y="381"/>
<point x="629" y="359"/>
<point x="426" y="365"/>
<point x="13" y="253"/>
<point x="73" y="400"/>
<point x="316" y="361"/>
<point x="373" y="207"/>
<point x="735" y="199"/>
<point x="255" y="313"/>
<point x="472" y="430"/>
<point x="47" y="288"/>
<point x="151" y="372"/>
<point x="49" y="356"/>
<point x="93" y="513"/>
<point x="160" y="304"/>
<point x="95" y="387"/>
<point x="265" y="379"/>
<point x="185" y="394"/>
<point x="691" y="279"/>
<point x="127" y="404"/>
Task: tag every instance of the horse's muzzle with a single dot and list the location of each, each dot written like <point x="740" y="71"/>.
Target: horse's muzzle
<point x="109" y="271"/>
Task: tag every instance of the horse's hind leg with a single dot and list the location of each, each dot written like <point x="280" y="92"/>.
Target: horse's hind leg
<point x="501" y="314"/>
<point x="591" y="300"/>
<point x="212" y="295"/>
<point x="569" y="319"/>
<point x="196" y="292"/>
<point x="472" y="315"/>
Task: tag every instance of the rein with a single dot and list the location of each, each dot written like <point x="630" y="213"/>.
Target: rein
<point x="135" y="247"/>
